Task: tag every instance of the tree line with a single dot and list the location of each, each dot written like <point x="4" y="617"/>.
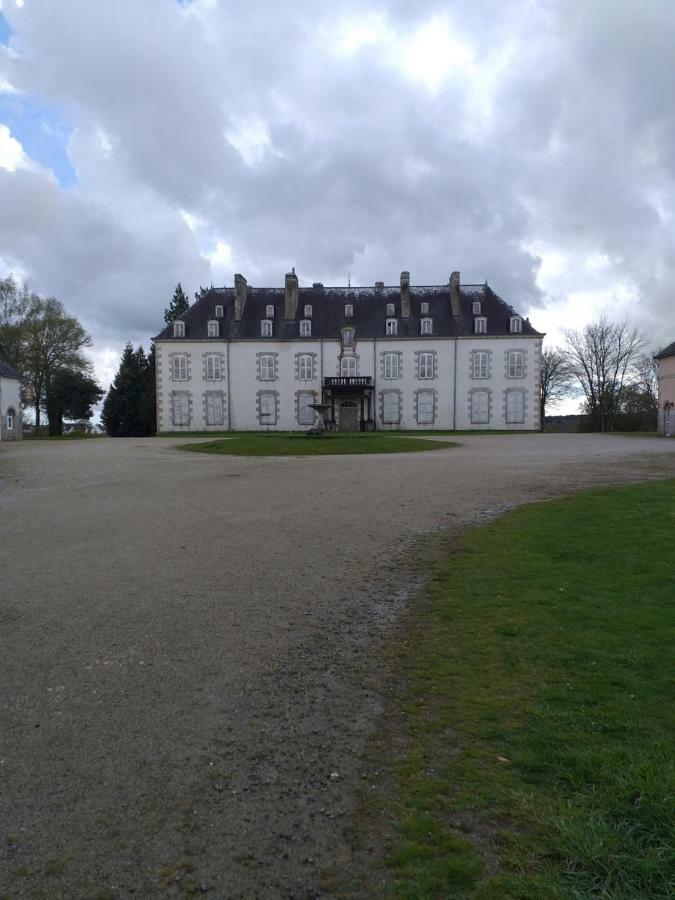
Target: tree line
<point x="46" y="346"/>
<point x="608" y="366"/>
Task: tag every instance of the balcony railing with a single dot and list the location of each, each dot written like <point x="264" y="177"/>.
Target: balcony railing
<point x="348" y="382"/>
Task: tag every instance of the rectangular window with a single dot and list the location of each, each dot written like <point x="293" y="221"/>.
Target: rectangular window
<point x="265" y="328"/>
<point x="425" y="408"/>
<point x="219" y="312"/>
<point x="305" y="368"/>
<point x="391" y="365"/>
<point x="213" y="367"/>
<point x="515" y="407"/>
<point x="349" y="310"/>
<point x="179" y="368"/>
<point x="515" y="366"/>
<point x="480" y="407"/>
<point x="480" y="364"/>
<point x="426" y="365"/>
<point x="391" y="309"/>
<point x="179" y="329"/>
<point x="214" y="409"/>
<point x="392" y="327"/>
<point x="390" y="408"/>
<point x="306" y="415"/>
<point x="348" y="367"/>
<point x="213" y="329"/>
<point x="475" y="307"/>
<point x="180" y="409"/>
<point x="516" y="324"/>
<point x="305" y="328"/>
<point x="481" y="326"/>
<point x="426" y="326"/>
<point x="268" y="409"/>
<point x="308" y="310"/>
<point x="267" y="367"/>
<point x="424" y="308"/>
<point x="269" y="311"/>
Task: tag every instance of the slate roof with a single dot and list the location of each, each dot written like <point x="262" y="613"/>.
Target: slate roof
<point x="6" y="371"/>
<point x="370" y="312"/>
<point x="667" y="351"/>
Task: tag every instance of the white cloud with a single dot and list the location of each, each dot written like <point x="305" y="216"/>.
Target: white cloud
<point x="12" y="156"/>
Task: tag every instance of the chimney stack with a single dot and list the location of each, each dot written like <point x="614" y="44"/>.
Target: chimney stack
<point x="405" y="295"/>
<point x="291" y="295"/>
<point x="454" y="294"/>
<point x="240" y="294"/>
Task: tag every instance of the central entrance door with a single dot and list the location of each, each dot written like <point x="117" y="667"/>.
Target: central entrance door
<point x="349" y="420"/>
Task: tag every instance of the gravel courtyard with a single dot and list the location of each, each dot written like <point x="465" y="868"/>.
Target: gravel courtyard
<point x="189" y="647"/>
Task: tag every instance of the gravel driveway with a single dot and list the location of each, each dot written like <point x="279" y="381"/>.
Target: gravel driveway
<point x="187" y="647"/>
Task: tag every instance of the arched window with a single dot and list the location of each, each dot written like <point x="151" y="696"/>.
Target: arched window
<point x="265" y="328"/>
<point x="426" y="326"/>
<point x="348" y="367"/>
<point x="305" y="328"/>
<point x="392" y="327"/>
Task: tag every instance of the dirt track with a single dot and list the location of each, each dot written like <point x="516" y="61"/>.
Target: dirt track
<point x="186" y="647"/>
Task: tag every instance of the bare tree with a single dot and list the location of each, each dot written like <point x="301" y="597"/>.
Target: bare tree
<point x="556" y="378"/>
<point x="603" y="358"/>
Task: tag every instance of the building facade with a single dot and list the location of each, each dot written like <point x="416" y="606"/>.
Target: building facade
<point x="11" y="427"/>
<point x="380" y="358"/>
<point x="666" y="382"/>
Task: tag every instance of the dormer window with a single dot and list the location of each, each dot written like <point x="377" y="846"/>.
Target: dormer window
<point x="213" y="329"/>
<point x="179" y="329"/>
<point x="347" y="336"/>
<point x="265" y="328"/>
<point x="305" y="328"/>
<point x="480" y="325"/>
<point x="475" y="306"/>
<point x="349" y="310"/>
<point x="391" y="309"/>
<point x="427" y="326"/>
<point x="219" y="312"/>
<point x="424" y="308"/>
<point x="269" y="310"/>
<point x="391" y="328"/>
<point x="516" y="325"/>
<point x="308" y="310"/>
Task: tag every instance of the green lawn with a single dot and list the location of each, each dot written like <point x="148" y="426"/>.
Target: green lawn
<point x="538" y="710"/>
<point x="274" y="444"/>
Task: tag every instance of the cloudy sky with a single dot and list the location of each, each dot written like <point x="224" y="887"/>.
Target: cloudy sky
<point x="527" y="142"/>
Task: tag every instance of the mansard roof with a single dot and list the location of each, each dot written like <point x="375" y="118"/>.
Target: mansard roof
<point x="6" y="371"/>
<point x="328" y="315"/>
<point x="667" y="351"/>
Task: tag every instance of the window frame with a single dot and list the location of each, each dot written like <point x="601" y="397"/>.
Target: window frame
<point x="352" y="364"/>
<point x="476" y="308"/>
<point x="212" y="359"/>
<point x="305" y="327"/>
<point x="474" y="395"/>
<point x="480" y="325"/>
<point x="305" y="366"/>
<point x="268" y="364"/>
<point x="426" y="364"/>
<point x="176" y="361"/>
<point x="349" y="310"/>
<point x="219" y="311"/>
<point x="424" y="308"/>
<point x="426" y="325"/>
<point x="269" y="310"/>
<point x="311" y="416"/>
<point x="268" y="396"/>
<point x="308" y="311"/>
<point x="515" y="364"/>
<point x="213" y="328"/>
<point x="266" y="328"/>
<point x="179" y="329"/>
<point x="348" y="336"/>
<point x="428" y="392"/>
<point x="391" y="361"/>
<point x="392" y="397"/>
<point x="391" y="328"/>
<point x="208" y="400"/>
<point x="183" y="398"/>
<point x="391" y="310"/>
<point x="508" y="415"/>
<point x="516" y="321"/>
<point x="478" y="357"/>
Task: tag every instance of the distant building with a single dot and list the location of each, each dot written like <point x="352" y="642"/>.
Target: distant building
<point x="10" y="404"/>
<point x="386" y="358"/>
<point x="666" y="380"/>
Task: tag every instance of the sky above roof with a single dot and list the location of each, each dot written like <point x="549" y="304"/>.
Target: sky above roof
<point x="527" y="142"/>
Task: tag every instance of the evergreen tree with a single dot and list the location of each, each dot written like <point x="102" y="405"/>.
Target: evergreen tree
<point x="129" y="408"/>
<point x="179" y="305"/>
<point x="202" y="290"/>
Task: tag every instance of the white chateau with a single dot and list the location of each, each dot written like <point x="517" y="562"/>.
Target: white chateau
<point x="452" y="356"/>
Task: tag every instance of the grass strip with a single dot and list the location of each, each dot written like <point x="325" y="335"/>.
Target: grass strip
<point x="538" y="709"/>
<point x="272" y="444"/>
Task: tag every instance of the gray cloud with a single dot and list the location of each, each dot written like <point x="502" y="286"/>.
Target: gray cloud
<point x="550" y="138"/>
